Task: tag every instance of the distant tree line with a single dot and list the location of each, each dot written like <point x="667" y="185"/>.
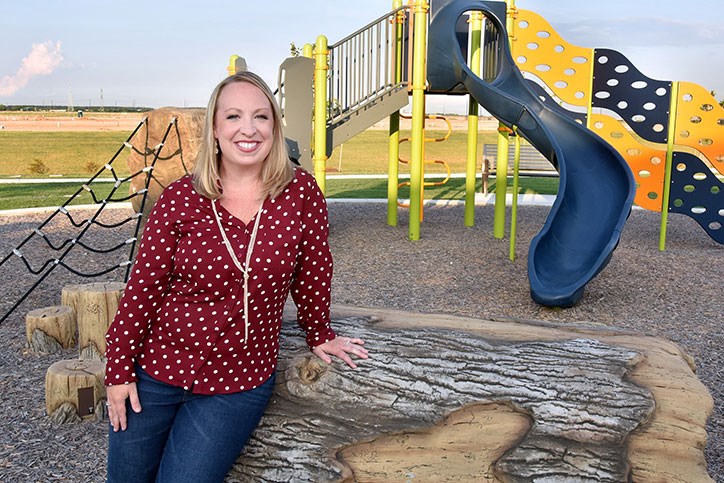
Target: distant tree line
<point x="34" y="108"/>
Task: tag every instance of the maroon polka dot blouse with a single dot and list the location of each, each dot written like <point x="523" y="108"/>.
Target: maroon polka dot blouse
<point x="181" y="316"/>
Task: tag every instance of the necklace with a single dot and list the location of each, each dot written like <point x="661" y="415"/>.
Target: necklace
<point x="245" y="268"/>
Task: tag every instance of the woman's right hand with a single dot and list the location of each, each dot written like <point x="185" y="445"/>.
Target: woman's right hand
<point x="116" y="404"/>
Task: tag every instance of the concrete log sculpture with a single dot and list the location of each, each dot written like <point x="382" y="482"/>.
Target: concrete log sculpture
<point x="95" y="304"/>
<point x="74" y="391"/>
<point x="51" y="329"/>
<point x="453" y="399"/>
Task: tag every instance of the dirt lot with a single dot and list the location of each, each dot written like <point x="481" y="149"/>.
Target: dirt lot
<point x="48" y="121"/>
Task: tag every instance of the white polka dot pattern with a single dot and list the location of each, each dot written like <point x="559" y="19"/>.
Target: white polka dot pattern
<point x="181" y="316"/>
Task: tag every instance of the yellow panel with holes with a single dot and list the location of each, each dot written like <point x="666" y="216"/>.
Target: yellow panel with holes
<point x="539" y="50"/>
<point x="646" y="163"/>
<point x="700" y="123"/>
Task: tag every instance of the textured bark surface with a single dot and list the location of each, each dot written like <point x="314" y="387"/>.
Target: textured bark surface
<point x="475" y="400"/>
<point x="95" y="304"/>
<point x="51" y="329"/>
<point x="62" y="382"/>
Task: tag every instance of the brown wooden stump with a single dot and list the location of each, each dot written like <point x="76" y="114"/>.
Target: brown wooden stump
<point x="51" y="329"/>
<point x="74" y="390"/>
<point x="95" y="305"/>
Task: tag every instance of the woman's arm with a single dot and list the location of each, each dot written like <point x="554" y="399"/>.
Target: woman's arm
<point x="312" y="282"/>
<point x="312" y="286"/>
<point x="144" y="292"/>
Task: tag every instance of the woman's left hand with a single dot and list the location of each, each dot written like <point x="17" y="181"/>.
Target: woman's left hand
<point x="341" y="347"/>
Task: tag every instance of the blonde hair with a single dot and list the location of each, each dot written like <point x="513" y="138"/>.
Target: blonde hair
<point x="277" y="171"/>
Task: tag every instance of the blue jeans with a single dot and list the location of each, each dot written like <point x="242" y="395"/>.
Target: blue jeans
<point x="183" y="437"/>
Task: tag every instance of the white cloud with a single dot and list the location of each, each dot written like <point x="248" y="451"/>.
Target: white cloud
<point x="43" y="59"/>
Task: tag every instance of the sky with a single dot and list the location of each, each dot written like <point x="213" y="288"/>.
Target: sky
<point x="156" y="53"/>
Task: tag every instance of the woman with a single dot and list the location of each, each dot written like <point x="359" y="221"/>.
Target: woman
<point x="192" y="351"/>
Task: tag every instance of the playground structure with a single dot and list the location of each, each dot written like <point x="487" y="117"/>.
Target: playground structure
<point x="666" y="133"/>
<point x="615" y="136"/>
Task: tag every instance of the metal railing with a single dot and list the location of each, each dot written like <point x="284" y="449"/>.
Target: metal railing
<point x="362" y="66"/>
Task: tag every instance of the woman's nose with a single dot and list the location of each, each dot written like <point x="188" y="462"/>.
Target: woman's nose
<point x="247" y="126"/>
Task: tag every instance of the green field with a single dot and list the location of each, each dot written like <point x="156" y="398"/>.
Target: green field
<point x="26" y="155"/>
<point x="35" y="195"/>
<point x="69" y="154"/>
<point x="367" y="153"/>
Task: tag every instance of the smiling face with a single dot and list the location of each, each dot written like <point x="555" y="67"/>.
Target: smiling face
<point x="244" y="127"/>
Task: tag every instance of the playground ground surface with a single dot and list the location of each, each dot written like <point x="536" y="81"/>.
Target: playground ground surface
<point x="675" y="295"/>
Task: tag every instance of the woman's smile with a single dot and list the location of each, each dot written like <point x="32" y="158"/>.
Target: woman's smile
<point x="247" y="146"/>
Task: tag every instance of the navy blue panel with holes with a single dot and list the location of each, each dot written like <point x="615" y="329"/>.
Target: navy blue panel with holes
<point x="696" y="192"/>
<point x="579" y="117"/>
<point x="642" y="102"/>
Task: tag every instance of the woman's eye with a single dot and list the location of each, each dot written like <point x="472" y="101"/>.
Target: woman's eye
<point x="262" y="116"/>
<point x="232" y="116"/>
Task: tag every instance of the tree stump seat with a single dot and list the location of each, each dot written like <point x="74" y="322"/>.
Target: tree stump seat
<point x="51" y="329"/>
<point x="74" y="390"/>
<point x="95" y="304"/>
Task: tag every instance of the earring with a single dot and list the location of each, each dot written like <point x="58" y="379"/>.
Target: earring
<point x="216" y="146"/>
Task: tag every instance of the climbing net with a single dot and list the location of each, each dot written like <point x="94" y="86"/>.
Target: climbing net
<point x="64" y="240"/>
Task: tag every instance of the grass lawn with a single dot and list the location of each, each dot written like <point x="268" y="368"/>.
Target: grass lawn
<point x="35" y="195"/>
<point x="81" y="154"/>
<point x="29" y="154"/>
<point x="367" y="153"/>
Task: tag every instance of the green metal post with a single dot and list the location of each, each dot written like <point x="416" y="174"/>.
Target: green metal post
<point x="393" y="171"/>
<point x="320" y="111"/>
<point x="476" y="25"/>
<point x="308" y="51"/>
<point x="669" y="161"/>
<point x="501" y="169"/>
<point x="231" y="68"/>
<point x="501" y="182"/>
<point x="419" y="10"/>
<point x="514" y="208"/>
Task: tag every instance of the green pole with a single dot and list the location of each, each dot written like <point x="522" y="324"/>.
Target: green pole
<point x="514" y="208"/>
<point x="308" y="51"/>
<point x="666" y="193"/>
<point x="393" y="171"/>
<point x="501" y="182"/>
<point x="419" y="9"/>
<point x="501" y="169"/>
<point x="320" y="112"/>
<point x="476" y="25"/>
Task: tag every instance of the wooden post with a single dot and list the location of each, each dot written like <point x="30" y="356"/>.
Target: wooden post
<point x="74" y="390"/>
<point x="51" y="329"/>
<point x="95" y="305"/>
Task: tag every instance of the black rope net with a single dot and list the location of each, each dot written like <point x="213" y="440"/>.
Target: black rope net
<point x="90" y="241"/>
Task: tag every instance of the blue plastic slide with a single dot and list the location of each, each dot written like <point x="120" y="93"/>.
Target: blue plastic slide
<point x="596" y="187"/>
